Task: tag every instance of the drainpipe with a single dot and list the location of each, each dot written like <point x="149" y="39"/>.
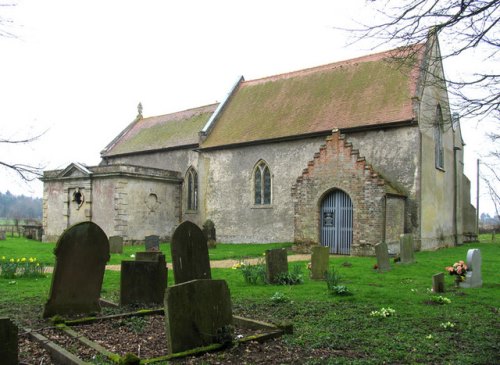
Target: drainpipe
<point x="455" y="197"/>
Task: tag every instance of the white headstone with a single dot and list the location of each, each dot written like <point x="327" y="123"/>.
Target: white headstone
<point x="473" y="277"/>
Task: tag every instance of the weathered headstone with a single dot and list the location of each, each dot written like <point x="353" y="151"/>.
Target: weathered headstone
<point x="152" y="243"/>
<point x="276" y="264"/>
<point x="116" y="244"/>
<point x="319" y="262"/>
<point x="2" y="235"/>
<point x="148" y="256"/>
<point x="210" y="234"/>
<point x="81" y="255"/>
<point x="407" y="252"/>
<point x="143" y="281"/>
<point x="189" y="250"/>
<point x="197" y="313"/>
<point x="473" y="277"/>
<point x="382" y="254"/>
<point x="438" y="283"/>
<point x="9" y="348"/>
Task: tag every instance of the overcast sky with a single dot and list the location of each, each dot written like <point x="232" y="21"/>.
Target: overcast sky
<point x="78" y="69"/>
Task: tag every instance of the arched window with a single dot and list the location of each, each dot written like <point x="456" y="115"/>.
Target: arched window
<point x="438" y="137"/>
<point x="262" y="184"/>
<point x="192" y="189"/>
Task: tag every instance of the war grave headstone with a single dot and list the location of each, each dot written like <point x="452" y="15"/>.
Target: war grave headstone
<point x="197" y="313"/>
<point x="407" y="252"/>
<point x="152" y="243"/>
<point x="2" y="235"/>
<point x="143" y="280"/>
<point x="9" y="348"/>
<point x="210" y="234"/>
<point x="276" y="264"/>
<point x="473" y="277"/>
<point x="116" y="244"/>
<point x="382" y="254"/>
<point x="438" y="283"/>
<point x="320" y="257"/>
<point x="189" y="250"/>
<point x="81" y="255"/>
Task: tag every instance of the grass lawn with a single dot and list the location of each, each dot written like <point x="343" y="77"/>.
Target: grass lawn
<point x="465" y="331"/>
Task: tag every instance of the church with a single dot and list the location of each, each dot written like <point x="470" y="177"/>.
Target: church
<point x="345" y="155"/>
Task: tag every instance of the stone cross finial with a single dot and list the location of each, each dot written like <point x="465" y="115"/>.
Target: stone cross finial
<point x="139" y="110"/>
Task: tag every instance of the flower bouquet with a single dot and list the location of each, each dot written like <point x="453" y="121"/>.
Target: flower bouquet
<point x="459" y="269"/>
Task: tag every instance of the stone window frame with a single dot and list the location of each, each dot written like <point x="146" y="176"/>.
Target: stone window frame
<point x="262" y="193"/>
<point x="438" y="138"/>
<point x="192" y="191"/>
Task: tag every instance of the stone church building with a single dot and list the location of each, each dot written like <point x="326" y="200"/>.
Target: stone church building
<point x="345" y="155"/>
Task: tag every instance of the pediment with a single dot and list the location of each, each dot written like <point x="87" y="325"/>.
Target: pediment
<point x="75" y="170"/>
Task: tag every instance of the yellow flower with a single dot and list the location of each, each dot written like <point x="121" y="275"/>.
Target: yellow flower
<point x="34" y="259"/>
<point x="3" y="257"/>
<point x="23" y="259"/>
<point x="11" y="260"/>
<point x="18" y="260"/>
<point x="31" y="259"/>
<point x="37" y="264"/>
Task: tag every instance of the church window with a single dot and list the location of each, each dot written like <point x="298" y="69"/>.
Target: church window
<point x="438" y="137"/>
<point x="262" y="184"/>
<point x="192" y="189"/>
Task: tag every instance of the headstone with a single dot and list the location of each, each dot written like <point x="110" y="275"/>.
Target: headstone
<point x="143" y="281"/>
<point x="197" y="312"/>
<point x="382" y="254"/>
<point x="407" y="252"/>
<point x="189" y="250"/>
<point x="473" y="277"/>
<point x="209" y="232"/>
<point x="320" y="257"/>
<point x="2" y="235"/>
<point x="81" y="255"/>
<point x="116" y="244"/>
<point x="152" y="243"/>
<point x="9" y="348"/>
<point x="276" y="264"/>
<point x="438" y="283"/>
<point x="149" y="256"/>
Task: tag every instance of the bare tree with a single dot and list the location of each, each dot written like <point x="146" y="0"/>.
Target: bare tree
<point x="5" y="22"/>
<point x="25" y="171"/>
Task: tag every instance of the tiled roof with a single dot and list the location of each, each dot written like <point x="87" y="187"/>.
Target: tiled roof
<point x="366" y="91"/>
<point x="161" y="132"/>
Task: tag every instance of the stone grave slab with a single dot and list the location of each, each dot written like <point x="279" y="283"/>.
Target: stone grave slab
<point x="143" y="281"/>
<point x="196" y="313"/>
<point x="473" y="277"/>
<point x="189" y="250"/>
<point x="81" y="255"/>
<point x="152" y="243"/>
<point x="276" y="264"/>
<point x="116" y="244"/>
<point x="320" y="257"/>
<point x="382" y="254"/>
<point x="407" y="251"/>
<point x="9" y="348"/>
<point x="438" y="283"/>
<point x="210" y="234"/>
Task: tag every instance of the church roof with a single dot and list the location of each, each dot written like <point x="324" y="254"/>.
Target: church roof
<point x="364" y="92"/>
<point x="161" y="132"/>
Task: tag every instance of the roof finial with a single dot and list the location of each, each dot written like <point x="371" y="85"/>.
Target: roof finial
<point x="139" y="110"/>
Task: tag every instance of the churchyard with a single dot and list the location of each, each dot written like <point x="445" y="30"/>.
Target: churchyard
<point x="369" y="315"/>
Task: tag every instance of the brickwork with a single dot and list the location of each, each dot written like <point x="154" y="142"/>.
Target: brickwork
<point x="338" y="166"/>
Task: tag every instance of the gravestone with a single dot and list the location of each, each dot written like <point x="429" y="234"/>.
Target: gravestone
<point x="152" y="243"/>
<point x="81" y="255"/>
<point x="143" y="281"/>
<point x="209" y="232"/>
<point x="2" y="235"/>
<point x="149" y="256"/>
<point x="473" y="277"/>
<point x="276" y="264"/>
<point x="407" y="253"/>
<point x="9" y="348"/>
<point x="197" y="313"/>
<point x="189" y="250"/>
<point x="116" y="244"/>
<point x="382" y="254"/>
<point x="438" y="283"/>
<point x="319" y="262"/>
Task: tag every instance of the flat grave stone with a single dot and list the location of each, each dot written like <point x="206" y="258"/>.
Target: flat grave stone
<point x="196" y="313"/>
<point x="407" y="252"/>
<point x="9" y="348"/>
<point x="382" y="254"/>
<point x="81" y="255"/>
<point x="320" y="257"/>
<point x="438" y="283"/>
<point x="276" y="264"/>
<point x="189" y="250"/>
<point x="473" y="277"/>
<point x="152" y="243"/>
<point x="116" y="244"/>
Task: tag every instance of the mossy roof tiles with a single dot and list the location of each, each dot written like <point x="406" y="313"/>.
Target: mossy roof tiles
<point x="367" y="91"/>
<point x="161" y="132"/>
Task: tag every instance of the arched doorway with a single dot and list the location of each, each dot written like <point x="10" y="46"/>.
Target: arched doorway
<point x="336" y="222"/>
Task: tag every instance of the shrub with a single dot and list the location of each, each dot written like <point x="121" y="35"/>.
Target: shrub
<point x="252" y="274"/>
<point x="293" y="277"/>
<point x="279" y="297"/>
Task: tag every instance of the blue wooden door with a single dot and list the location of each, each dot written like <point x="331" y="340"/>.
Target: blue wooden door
<point x="336" y="222"/>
